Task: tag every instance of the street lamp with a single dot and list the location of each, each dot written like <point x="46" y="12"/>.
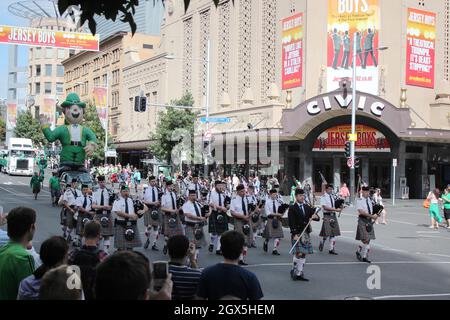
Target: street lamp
<point x="353" y="135"/>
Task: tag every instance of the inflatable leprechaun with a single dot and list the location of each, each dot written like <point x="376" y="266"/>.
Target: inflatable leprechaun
<point x="77" y="140"/>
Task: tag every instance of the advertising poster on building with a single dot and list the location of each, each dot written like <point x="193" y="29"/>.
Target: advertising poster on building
<point x="48" y="109"/>
<point x="100" y="95"/>
<point x="369" y="139"/>
<point x="11" y="114"/>
<point x="292" y="51"/>
<point x="420" y="48"/>
<point x="49" y="38"/>
<point x="345" y="20"/>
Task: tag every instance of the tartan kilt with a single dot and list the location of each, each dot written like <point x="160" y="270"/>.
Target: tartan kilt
<point x="270" y="232"/>
<point x="148" y="221"/>
<point x="304" y="246"/>
<point x="119" y="238"/>
<point x="327" y="230"/>
<point x="80" y="228"/>
<point x="238" y="224"/>
<point x="216" y="228"/>
<point x="259" y="224"/>
<point x="67" y="219"/>
<point x="190" y="231"/>
<point x="170" y="232"/>
<point x="106" y="231"/>
<point x="361" y="232"/>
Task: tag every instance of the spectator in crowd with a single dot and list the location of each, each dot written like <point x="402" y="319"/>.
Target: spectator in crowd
<point x="125" y="275"/>
<point x="228" y="278"/>
<point x="54" y="284"/>
<point x="53" y="253"/>
<point x="185" y="280"/>
<point x="345" y="193"/>
<point x="434" y="198"/>
<point x="446" y="199"/>
<point x="88" y="257"/>
<point x="15" y="262"/>
<point x="3" y="234"/>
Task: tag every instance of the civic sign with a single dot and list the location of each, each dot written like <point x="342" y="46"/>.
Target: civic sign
<point x="216" y="120"/>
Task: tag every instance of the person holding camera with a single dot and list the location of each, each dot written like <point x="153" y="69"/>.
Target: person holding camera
<point x="273" y="228"/>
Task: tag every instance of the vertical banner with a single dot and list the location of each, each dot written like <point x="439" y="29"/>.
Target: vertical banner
<point x="420" y="47"/>
<point x="48" y="109"/>
<point x="11" y="114"/>
<point x="292" y="51"/>
<point x="100" y="102"/>
<point x="345" y="20"/>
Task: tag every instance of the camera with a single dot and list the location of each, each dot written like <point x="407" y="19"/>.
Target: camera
<point x="160" y="272"/>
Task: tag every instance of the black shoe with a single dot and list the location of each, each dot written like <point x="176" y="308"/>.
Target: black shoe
<point x="265" y="246"/>
<point x="321" y="246"/>
<point x="358" y="256"/>
<point x="332" y="252"/>
<point x="155" y="248"/>
<point x="366" y="260"/>
<point x="242" y="263"/>
<point x="147" y="243"/>
<point x="275" y="253"/>
<point x="165" y="250"/>
<point x="219" y="252"/>
<point x="293" y="276"/>
<point x="211" y="248"/>
<point x="301" y="278"/>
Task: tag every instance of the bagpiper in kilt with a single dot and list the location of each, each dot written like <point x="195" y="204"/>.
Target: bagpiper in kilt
<point x="85" y="212"/>
<point x="330" y="225"/>
<point x="68" y="220"/>
<point x="299" y="216"/>
<point x="364" y="229"/>
<point x="218" y="218"/>
<point x="126" y="232"/>
<point x="273" y="229"/>
<point x="255" y="212"/>
<point x="194" y="222"/>
<point x="102" y="204"/>
<point x="172" y="222"/>
<point x="240" y="212"/>
<point x="152" y="218"/>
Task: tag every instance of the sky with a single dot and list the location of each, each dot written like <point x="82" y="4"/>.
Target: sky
<point x="12" y="20"/>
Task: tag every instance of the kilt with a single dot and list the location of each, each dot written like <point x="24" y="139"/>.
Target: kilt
<point x="270" y="232"/>
<point x="214" y="226"/>
<point x="328" y="230"/>
<point x="259" y="224"/>
<point x="106" y="231"/>
<point x="119" y="238"/>
<point x="238" y="224"/>
<point x="67" y="219"/>
<point x="170" y="232"/>
<point x="190" y="232"/>
<point x="80" y="228"/>
<point x="148" y="221"/>
<point x="361" y="232"/>
<point x="304" y="246"/>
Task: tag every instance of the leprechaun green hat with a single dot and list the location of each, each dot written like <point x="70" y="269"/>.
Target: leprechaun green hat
<point x="71" y="99"/>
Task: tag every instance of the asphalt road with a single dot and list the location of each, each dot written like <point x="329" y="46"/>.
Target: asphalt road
<point x="413" y="260"/>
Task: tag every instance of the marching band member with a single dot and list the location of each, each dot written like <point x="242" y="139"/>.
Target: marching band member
<point x="85" y="212"/>
<point x="273" y="228"/>
<point x="239" y="210"/>
<point x="256" y="217"/>
<point x="102" y="204"/>
<point x="299" y="216"/>
<point x="68" y="219"/>
<point x="194" y="185"/>
<point x="364" y="230"/>
<point x="217" y="218"/>
<point x="172" y="221"/>
<point x="330" y="224"/>
<point x="152" y="218"/>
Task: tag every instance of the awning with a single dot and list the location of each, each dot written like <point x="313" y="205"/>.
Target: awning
<point x="132" y="145"/>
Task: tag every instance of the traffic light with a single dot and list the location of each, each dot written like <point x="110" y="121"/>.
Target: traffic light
<point x="347" y="149"/>
<point x="143" y="104"/>
<point x="357" y="162"/>
<point x="137" y="101"/>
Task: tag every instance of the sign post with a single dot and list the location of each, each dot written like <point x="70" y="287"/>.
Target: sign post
<point x="394" y="165"/>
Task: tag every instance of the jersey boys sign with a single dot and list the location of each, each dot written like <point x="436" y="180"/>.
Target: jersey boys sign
<point x="292" y="51"/>
<point x="369" y="139"/>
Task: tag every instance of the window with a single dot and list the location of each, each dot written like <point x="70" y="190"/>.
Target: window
<point x="86" y="87"/>
<point x="37" y="87"/>
<point x="104" y="80"/>
<point x="38" y="70"/>
<point x="116" y="55"/>
<point x="37" y="53"/>
<point x="115" y="99"/>
<point x="31" y="71"/>
<point x="96" y="81"/>
<point x="48" y="88"/>
<point x="147" y="46"/>
<point x="105" y="60"/>
<point x="96" y="62"/>
<point x="59" y="71"/>
<point x="115" y="76"/>
<point x="49" y="53"/>
<point x="48" y="70"/>
<point x="61" y="53"/>
<point x="29" y="88"/>
<point x="59" y="88"/>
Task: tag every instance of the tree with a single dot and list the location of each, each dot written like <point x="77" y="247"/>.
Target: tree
<point x="110" y="10"/>
<point x="169" y="121"/>
<point x="30" y="128"/>
<point x="2" y="130"/>
<point x="92" y="121"/>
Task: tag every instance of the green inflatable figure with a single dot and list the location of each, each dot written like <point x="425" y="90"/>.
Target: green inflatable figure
<point x="77" y="140"/>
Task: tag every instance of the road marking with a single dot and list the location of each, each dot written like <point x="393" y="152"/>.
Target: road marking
<point x="349" y="263"/>
<point x="390" y="220"/>
<point x="413" y="296"/>
<point x="8" y="191"/>
<point x="427" y="231"/>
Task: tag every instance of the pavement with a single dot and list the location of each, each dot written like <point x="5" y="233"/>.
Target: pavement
<point x="413" y="261"/>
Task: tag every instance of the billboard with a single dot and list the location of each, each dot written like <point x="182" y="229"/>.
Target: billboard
<point x="420" y="48"/>
<point x="345" y="20"/>
<point x="11" y="114"/>
<point x="369" y="139"/>
<point x="48" y="109"/>
<point x="49" y="38"/>
<point x="100" y="95"/>
<point x="292" y="51"/>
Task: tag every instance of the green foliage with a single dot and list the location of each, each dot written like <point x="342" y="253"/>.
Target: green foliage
<point x="28" y="127"/>
<point x="2" y="129"/>
<point x="92" y="121"/>
<point x="169" y="121"/>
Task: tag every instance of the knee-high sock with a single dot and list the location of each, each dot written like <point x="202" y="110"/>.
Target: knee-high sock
<point x="360" y="247"/>
<point x="213" y="239"/>
<point x="153" y="235"/>
<point x="243" y="254"/>
<point x="218" y="246"/>
<point x="299" y="263"/>
<point x="365" y="250"/>
<point x="276" y="244"/>
<point x="332" y="243"/>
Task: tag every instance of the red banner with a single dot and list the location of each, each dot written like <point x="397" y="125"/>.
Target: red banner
<point x="292" y="51"/>
<point x="420" y="47"/>
<point x="49" y="38"/>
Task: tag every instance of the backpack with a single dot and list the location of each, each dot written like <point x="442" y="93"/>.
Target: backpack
<point x="87" y="260"/>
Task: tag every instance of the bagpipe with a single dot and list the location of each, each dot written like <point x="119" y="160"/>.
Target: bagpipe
<point x="376" y="209"/>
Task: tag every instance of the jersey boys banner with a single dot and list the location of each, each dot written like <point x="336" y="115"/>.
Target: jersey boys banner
<point x="420" y="46"/>
<point x="49" y="38"/>
<point x="100" y="101"/>
<point x="369" y="139"/>
<point x="292" y="51"/>
<point x="345" y="20"/>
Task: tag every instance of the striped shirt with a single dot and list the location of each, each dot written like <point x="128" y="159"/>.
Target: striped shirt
<point x="185" y="281"/>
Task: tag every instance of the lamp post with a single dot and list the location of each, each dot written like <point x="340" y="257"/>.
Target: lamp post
<point x="353" y="135"/>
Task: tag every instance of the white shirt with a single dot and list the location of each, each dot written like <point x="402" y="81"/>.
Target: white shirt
<point x="119" y="205"/>
<point x="192" y="186"/>
<point x="188" y="207"/>
<point x="97" y="197"/>
<point x="236" y="205"/>
<point x="361" y="204"/>
<point x="326" y="200"/>
<point x="80" y="201"/>
<point x="269" y="206"/>
<point x="214" y="198"/>
<point x="252" y="199"/>
<point x="70" y="196"/>
<point x="148" y="197"/>
<point x="75" y="132"/>
<point x="166" y="200"/>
